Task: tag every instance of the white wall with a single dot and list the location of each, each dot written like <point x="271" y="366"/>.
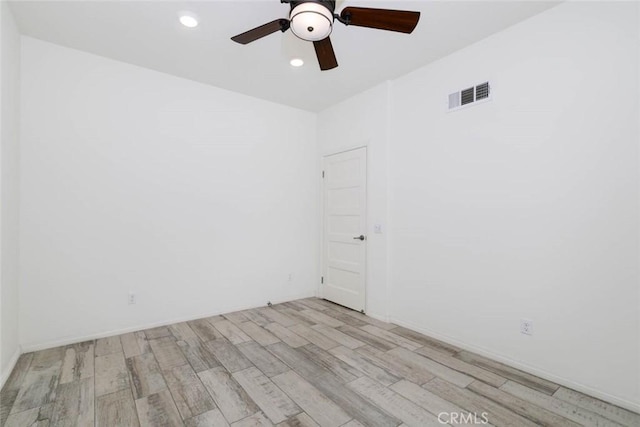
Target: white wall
<point x="200" y="200"/>
<point x="526" y="206"/>
<point x="357" y="122"/>
<point x="9" y="186"/>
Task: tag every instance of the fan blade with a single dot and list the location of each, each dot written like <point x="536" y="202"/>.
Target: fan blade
<point x="402" y="21"/>
<point x="326" y="56"/>
<point x="261" y="31"/>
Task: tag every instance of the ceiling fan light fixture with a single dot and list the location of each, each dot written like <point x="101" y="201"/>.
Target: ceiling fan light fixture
<point x="296" y="62"/>
<point x="311" y="21"/>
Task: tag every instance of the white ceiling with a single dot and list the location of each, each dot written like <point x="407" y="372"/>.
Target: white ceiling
<point x="148" y="34"/>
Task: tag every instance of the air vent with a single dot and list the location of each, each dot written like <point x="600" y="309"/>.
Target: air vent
<point x="465" y="97"/>
<point x="482" y="91"/>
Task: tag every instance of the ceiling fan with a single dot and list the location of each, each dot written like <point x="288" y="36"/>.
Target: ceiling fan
<point x="312" y="20"/>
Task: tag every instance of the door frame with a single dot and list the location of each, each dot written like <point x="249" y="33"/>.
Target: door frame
<point x="366" y="217"/>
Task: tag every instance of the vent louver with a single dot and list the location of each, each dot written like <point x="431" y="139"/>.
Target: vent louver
<point x="482" y="91"/>
<point x="470" y="95"/>
<point x="467" y="96"/>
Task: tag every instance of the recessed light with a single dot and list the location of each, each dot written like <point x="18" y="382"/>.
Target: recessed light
<point x="296" y="62"/>
<point x="188" y="20"/>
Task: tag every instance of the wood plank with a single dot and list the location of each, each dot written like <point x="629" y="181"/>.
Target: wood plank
<point x="276" y="316"/>
<point x="108" y="345"/>
<point x="167" y="353"/>
<point x="291" y="338"/>
<point x="508" y="372"/>
<point x="7" y="398"/>
<point x="364" y="364"/>
<point x="314" y="336"/>
<point x="343" y="317"/>
<point x="607" y="410"/>
<point x="228" y="355"/>
<point x="189" y="395"/>
<point x="557" y="406"/>
<point x="74" y="404"/>
<point x="275" y="404"/>
<point x="300" y="420"/>
<point x="19" y="372"/>
<point x="204" y="330"/>
<point x="256" y="420"/>
<point x="366" y="337"/>
<point x="39" y="385"/>
<point x="182" y="332"/>
<point x="313" y="303"/>
<point x="262" y="359"/>
<point x="111" y="374"/>
<point x="339" y="337"/>
<point x="235" y="317"/>
<point x="394" y="403"/>
<point x="215" y="319"/>
<point x="232" y="400"/>
<point x="78" y="362"/>
<point x="212" y="418"/>
<point x="351" y="402"/>
<point x="426" y="341"/>
<point x="157" y="332"/>
<point x="326" y="303"/>
<point x="260" y="335"/>
<point x="158" y="410"/>
<point x="437" y="369"/>
<point x="256" y="317"/>
<point x="200" y="357"/>
<point x="36" y="417"/>
<point x="497" y="414"/>
<point x="233" y="333"/>
<point x="321" y="318"/>
<point x="321" y="409"/>
<point x="116" y="409"/>
<point x="398" y="367"/>
<point x="363" y="318"/>
<point x="135" y="344"/>
<point x="295" y="316"/>
<point x="426" y="399"/>
<point x="391" y="337"/>
<point x="145" y="375"/>
<point x="296" y="305"/>
<point x="464" y="367"/>
<point x="343" y="371"/>
<point x="520" y="406"/>
<point x="297" y="361"/>
<point x="13" y="384"/>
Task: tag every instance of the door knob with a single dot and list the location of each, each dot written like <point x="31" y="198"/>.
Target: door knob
<point x="360" y="237"/>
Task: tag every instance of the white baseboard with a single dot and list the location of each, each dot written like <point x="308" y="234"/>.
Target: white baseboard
<point x="4" y="375"/>
<point x="28" y="347"/>
<point x="624" y="403"/>
<point x="380" y="317"/>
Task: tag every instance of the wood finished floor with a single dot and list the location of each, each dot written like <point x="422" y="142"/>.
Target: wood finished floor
<point x="302" y="363"/>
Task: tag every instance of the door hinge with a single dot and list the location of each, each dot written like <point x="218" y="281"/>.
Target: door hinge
<point x="322" y="279"/>
<point x="323" y="174"/>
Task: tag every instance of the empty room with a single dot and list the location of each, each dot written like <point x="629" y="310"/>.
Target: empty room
<point x="324" y="213"/>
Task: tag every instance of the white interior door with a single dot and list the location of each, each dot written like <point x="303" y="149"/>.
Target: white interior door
<point x="344" y="234"/>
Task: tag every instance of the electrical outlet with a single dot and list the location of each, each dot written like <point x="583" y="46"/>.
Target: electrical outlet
<point x="132" y="298"/>
<point x="526" y="326"/>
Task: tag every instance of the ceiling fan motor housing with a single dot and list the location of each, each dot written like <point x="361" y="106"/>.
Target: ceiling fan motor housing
<point x="312" y="20"/>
